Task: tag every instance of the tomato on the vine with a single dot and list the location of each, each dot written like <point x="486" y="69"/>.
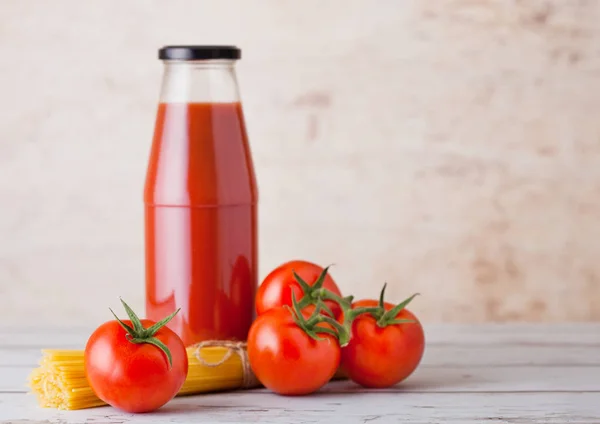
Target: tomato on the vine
<point x="277" y="287"/>
<point x="286" y="358"/>
<point x="385" y="349"/>
<point x="135" y="365"/>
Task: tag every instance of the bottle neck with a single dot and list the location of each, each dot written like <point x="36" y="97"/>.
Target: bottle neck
<point x="203" y="81"/>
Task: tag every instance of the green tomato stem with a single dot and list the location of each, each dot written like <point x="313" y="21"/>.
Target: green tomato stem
<point x="138" y="334"/>
<point x="317" y="294"/>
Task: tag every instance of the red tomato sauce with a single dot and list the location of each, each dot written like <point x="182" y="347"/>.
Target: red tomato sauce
<point x="201" y="222"/>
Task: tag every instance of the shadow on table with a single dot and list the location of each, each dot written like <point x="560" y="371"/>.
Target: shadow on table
<point x="423" y="380"/>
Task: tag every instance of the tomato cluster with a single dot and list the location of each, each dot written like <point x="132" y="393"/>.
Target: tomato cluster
<point x="306" y="331"/>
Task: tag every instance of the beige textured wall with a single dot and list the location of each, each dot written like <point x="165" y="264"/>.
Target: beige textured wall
<point x="446" y="147"/>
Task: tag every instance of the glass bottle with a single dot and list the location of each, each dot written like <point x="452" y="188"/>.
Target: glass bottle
<point x="201" y="199"/>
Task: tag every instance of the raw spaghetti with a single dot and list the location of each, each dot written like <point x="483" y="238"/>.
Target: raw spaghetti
<point x="60" y="382"/>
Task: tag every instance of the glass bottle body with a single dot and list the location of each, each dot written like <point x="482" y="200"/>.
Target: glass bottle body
<point x="201" y="206"/>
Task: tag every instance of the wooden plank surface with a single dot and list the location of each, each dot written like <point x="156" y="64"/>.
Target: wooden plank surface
<point x="445" y="379"/>
<point x="470" y="374"/>
<point x="583" y="334"/>
<point x="333" y="407"/>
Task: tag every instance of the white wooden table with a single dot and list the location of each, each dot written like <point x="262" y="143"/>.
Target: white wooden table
<point x="470" y="374"/>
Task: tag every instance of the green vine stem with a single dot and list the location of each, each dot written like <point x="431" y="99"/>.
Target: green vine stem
<point x="312" y="294"/>
<point x="311" y="325"/>
<point x="138" y="334"/>
<point x="317" y="295"/>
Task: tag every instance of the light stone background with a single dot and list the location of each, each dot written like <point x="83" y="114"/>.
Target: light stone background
<point x="446" y="147"/>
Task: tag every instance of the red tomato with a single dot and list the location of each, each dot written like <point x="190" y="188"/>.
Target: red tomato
<point x="276" y="289"/>
<point x="285" y="359"/>
<point x="134" y="377"/>
<point x="379" y="357"/>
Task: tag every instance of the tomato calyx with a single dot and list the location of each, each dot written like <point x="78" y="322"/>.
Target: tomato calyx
<point x="315" y="294"/>
<point x="311" y="325"/>
<point x="382" y="317"/>
<point x="385" y="318"/>
<point x="138" y="334"/>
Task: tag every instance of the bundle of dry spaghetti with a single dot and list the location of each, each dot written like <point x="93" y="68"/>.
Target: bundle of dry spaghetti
<point x="60" y="382"/>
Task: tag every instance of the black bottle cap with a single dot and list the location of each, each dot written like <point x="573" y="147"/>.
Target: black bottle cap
<point x="199" y="52"/>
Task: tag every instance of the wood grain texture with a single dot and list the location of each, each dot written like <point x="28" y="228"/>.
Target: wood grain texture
<point x="447" y="379"/>
<point x="470" y="374"/>
<point x="351" y="408"/>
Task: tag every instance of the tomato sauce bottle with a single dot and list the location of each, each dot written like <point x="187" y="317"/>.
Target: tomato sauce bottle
<point x="200" y="199"/>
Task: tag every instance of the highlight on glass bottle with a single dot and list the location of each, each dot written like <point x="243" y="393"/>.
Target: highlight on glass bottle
<point x="201" y="199"/>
